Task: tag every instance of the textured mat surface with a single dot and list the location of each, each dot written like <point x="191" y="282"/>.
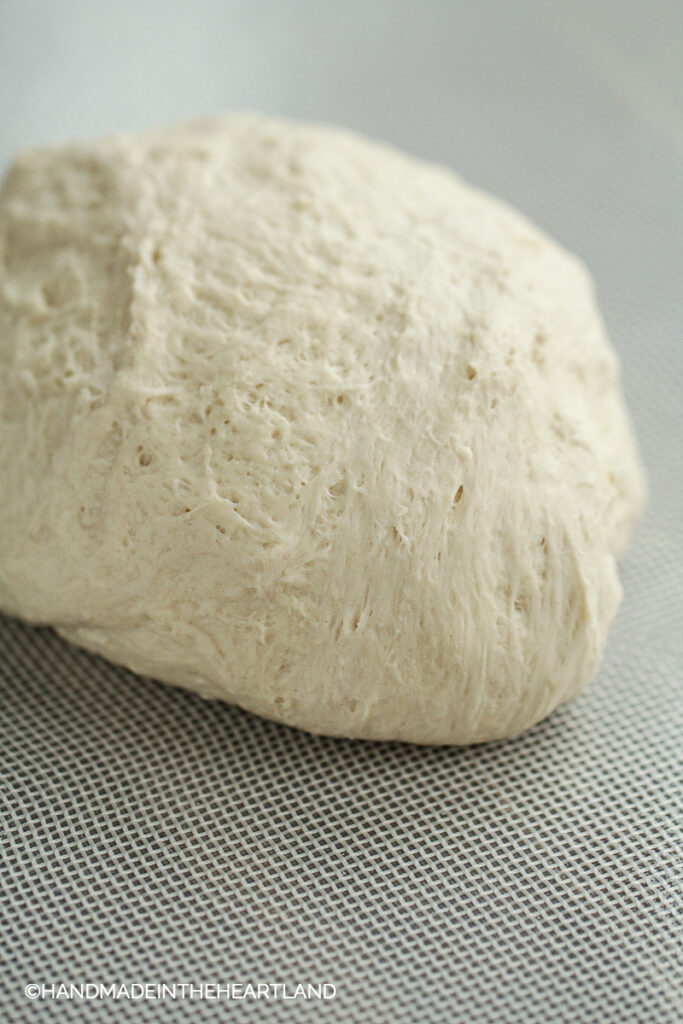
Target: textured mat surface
<point x="150" y="837"/>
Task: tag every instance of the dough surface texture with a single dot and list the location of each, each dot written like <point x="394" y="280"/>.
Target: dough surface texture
<point x="293" y="420"/>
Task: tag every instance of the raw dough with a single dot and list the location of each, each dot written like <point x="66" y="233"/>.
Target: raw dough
<point x="296" y="421"/>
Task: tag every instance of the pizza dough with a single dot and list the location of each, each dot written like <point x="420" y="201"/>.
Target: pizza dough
<point x="296" y="421"/>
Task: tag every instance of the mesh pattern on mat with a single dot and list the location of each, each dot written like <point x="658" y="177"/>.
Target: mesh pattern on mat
<point x="155" y="836"/>
<point x="152" y="837"/>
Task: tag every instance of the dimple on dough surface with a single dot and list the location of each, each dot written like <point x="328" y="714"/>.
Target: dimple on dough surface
<point x="293" y="420"/>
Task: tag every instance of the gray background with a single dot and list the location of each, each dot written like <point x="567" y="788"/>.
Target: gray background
<point x="154" y="837"/>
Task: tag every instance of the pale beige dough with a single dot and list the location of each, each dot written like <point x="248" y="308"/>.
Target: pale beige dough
<point x="296" y="421"/>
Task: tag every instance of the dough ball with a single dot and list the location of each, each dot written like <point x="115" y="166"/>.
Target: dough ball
<point x="296" y="421"/>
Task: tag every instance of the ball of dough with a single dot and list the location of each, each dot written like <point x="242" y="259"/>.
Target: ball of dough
<point x="296" y="421"/>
